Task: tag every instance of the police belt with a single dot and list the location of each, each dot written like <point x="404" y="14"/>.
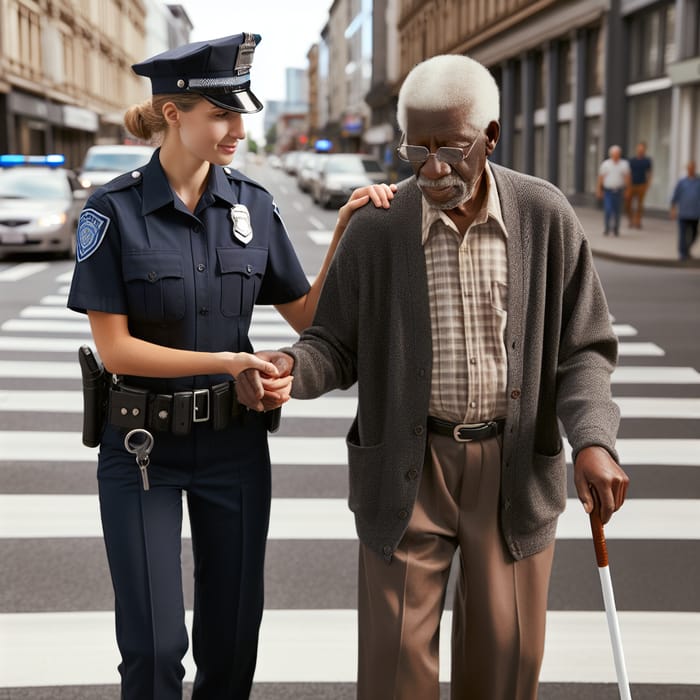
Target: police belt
<point x="466" y="432"/>
<point x="132" y="407"/>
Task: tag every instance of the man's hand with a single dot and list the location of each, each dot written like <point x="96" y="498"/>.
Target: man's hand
<point x="262" y="392"/>
<point x="596" y="470"/>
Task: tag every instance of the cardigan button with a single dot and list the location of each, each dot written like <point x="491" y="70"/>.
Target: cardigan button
<point x="387" y="550"/>
<point x="403" y="514"/>
<point x="515" y="394"/>
<point x="418" y="430"/>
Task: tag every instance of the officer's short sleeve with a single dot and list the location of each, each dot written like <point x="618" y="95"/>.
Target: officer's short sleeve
<point x="284" y="279"/>
<point x="98" y="283"/>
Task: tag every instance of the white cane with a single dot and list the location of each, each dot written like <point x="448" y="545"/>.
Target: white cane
<point x="601" y="553"/>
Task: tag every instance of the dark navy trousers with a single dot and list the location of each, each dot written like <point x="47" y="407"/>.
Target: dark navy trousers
<point x="226" y="476"/>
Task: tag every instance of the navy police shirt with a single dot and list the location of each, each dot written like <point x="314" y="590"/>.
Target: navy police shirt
<point x="185" y="280"/>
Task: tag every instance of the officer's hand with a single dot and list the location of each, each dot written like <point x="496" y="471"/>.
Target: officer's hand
<point x="242" y="361"/>
<point x="596" y="469"/>
<point x="263" y="393"/>
<point x="380" y="195"/>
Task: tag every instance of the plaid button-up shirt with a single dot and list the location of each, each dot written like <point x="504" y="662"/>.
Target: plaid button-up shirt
<point x="468" y="295"/>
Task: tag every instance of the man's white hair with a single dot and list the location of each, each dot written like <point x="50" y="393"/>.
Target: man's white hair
<point x="448" y="81"/>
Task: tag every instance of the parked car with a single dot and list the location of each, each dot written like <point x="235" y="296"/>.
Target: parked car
<point x="307" y="171"/>
<point x="341" y="173"/>
<point x="40" y="203"/>
<point x="290" y="161"/>
<point x="104" y="163"/>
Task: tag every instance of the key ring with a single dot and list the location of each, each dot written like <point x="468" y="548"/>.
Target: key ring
<point x="141" y="449"/>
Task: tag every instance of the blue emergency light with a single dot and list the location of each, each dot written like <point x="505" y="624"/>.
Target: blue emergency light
<point x="53" y="160"/>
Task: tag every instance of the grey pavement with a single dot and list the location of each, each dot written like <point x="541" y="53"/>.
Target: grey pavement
<point x="656" y="243"/>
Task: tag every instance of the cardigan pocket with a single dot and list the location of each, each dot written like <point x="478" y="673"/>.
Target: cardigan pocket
<point x="543" y="490"/>
<point x="366" y="468"/>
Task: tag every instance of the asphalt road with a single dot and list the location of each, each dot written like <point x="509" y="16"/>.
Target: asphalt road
<point x="56" y="627"/>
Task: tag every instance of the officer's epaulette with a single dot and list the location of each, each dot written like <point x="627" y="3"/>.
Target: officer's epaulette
<point x="237" y="175"/>
<point x="123" y="182"/>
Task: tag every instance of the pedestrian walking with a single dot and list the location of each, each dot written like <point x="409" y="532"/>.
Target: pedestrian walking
<point x="171" y="259"/>
<point x="613" y="180"/>
<point x="685" y="208"/>
<point x="472" y="319"/>
<point x="640" y="181"/>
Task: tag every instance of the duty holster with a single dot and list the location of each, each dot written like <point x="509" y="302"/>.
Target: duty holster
<point x="95" y="391"/>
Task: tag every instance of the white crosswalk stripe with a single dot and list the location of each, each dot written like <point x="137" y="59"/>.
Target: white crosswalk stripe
<point x="51" y="515"/>
<point x="320" y="646"/>
<point x="58" y="446"/>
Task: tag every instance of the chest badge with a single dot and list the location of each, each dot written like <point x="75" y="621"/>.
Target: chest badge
<point x="240" y="217"/>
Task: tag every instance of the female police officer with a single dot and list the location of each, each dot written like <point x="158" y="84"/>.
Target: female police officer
<point x="171" y="259"/>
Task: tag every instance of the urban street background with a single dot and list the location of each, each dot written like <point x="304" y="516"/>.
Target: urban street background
<point x="56" y="620"/>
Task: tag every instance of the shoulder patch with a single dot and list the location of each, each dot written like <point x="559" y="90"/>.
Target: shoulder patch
<point x="92" y="227"/>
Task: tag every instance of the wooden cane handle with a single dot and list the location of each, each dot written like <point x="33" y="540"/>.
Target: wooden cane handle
<point x="601" y="547"/>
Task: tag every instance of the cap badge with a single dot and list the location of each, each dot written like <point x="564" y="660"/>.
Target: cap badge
<point x="242" y="229"/>
<point x="244" y="59"/>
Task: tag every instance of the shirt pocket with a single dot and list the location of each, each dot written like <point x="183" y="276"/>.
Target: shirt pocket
<point x="242" y="271"/>
<point x="499" y="296"/>
<point x="155" y="285"/>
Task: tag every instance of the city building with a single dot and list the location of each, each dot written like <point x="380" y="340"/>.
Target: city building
<point x="575" y="78"/>
<point x="65" y="70"/>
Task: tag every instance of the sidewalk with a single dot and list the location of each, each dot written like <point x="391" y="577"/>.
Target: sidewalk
<point x="654" y="244"/>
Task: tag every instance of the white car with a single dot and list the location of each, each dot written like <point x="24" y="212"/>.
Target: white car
<point x="341" y="173"/>
<point x="104" y="163"/>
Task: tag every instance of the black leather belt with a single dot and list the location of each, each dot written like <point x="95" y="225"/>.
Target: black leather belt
<point x="466" y="432"/>
<point x="131" y="407"/>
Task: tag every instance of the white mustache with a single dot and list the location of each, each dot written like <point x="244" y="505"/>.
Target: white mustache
<point x="446" y="181"/>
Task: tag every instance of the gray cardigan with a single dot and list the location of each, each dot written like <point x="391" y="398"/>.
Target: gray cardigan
<point x="372" y="326"/>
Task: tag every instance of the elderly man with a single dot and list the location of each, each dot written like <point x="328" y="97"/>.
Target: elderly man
<point x="471" y="317"/>
<point x="613" y="180"/>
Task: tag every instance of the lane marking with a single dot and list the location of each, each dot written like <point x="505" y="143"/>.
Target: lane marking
<point x="60" y="446"/>
<point x="321" y="237"/>
<point x="22" y="271"/>
<point x="77" y="516"/>
<point x="320" y="646"/>
<point x="334" y="406"/>
<point x="316" y="223"/>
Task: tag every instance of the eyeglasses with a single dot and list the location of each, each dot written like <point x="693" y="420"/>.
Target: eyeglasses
<point x="445" y="154"/>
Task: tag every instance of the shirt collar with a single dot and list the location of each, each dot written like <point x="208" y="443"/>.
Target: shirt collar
<point x="157" y="191"/>
<point x="490" y="208"/>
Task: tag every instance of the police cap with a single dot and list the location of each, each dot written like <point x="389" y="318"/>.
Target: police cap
<point x="219" y="70"/>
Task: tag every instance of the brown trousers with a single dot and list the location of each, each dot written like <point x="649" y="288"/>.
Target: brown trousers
<point x="500" y="604"/>
<point x="634" y="201"/>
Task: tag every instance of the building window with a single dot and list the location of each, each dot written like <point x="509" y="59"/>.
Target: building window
<point x="652" y="42"/>
<point x="594" y="155"/>
<point x="594" y="62"/>
<point x="565" y="71"/>
<point x="566" y="159"/>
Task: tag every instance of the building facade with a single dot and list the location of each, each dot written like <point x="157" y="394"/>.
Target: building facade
<point x="65" y="73"/>
<point x="576" y="77"/>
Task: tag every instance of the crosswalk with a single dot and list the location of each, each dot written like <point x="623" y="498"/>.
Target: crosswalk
<point x="313" y="642"/>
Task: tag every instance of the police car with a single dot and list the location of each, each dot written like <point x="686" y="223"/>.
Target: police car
<point x="40" y="202"/>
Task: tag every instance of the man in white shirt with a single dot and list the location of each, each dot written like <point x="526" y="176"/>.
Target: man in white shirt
<point x="613" y="180"/>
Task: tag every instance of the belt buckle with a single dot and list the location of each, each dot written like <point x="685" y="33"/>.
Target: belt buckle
<point x="196" y="418"/>
<point x="455" y="432"/>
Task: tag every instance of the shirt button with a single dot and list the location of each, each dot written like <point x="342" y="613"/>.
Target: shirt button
<point x="203" y="310"/>
<point x="472" y="360"/>
<point x="152" y="276"/>
<point x="136" y="174"/>
<point x="412" y="474"/>
<point x="196" y="229"/>
<point x="403" y="514"/>
<point x="387" y="550"/>
<point x="418" y="430"/>
<point x="248" y="268"/>
<point x="472" y="404"/>
<point x="201" y="267"/>
<point x="515" y="394"/>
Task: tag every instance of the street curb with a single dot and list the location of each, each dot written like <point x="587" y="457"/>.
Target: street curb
<point x="692" y="264"/>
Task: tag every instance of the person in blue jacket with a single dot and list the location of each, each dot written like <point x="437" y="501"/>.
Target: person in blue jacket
<point x="685" y="207"/>
<point x="171" y="259"/>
